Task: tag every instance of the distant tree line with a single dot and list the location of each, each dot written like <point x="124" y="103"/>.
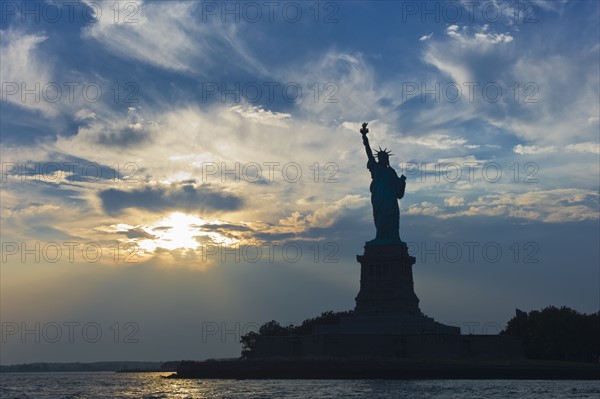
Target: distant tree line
<point x="87" y="367"/>
<point x="273" y="328"/>
<point x="557" y="334"/>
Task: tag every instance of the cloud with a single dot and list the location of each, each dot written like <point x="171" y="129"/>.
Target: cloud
<point x="134" y="131"/>
<point x="326" y="216"/>
<point x="587" y="147"/>
<point x="453" y="56"/>
<point x="532" y="149"/>
<point x="556" y="5"/>
<point x="24" y="68"/>
<point x="220" y="227"/>
<point x="170" y="144"/>
<point x="492" y="38"/>
<point x="299" y="226"/>
<point x="259" y="114"/>
<point x="167" y="35"/>
<point x="296" y="221"/>
<point x="59" y="169"/>
<point x="426" y="37"/>
<point x="533" y="79"/>
<point x="549" y="206"/>
<point x="136" y="232"/>
<point x="239" y="232"/>
<point x="166" y="174"/>
<point x="424" y="208"/>
<point x="435" y="141"/>
<point x="454" y="201"/>
<point x="348" y="87"/>
<point x="189" y="197"/>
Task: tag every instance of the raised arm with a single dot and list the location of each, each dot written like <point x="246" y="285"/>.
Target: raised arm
<point x="364" y="132"/>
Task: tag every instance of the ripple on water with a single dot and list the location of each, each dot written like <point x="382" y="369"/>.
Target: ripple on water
<point x="152" y="386"/>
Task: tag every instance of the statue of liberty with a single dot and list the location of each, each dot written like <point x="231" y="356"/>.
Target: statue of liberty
<point x="386" y="189"/>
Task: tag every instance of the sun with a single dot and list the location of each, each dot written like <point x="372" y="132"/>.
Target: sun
<point x="181" y="231"/>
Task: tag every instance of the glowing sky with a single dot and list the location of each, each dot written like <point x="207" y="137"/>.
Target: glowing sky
<point x="195" y="168"/>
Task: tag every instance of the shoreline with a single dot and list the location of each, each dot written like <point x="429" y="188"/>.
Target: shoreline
<point x="523" y="369"/>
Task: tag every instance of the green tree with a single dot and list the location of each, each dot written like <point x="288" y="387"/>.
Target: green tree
<point x="557" y="333"/>
<point x="274" y="329"/>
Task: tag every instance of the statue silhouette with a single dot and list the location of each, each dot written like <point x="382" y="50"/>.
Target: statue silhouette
<point x="386" y="189"/>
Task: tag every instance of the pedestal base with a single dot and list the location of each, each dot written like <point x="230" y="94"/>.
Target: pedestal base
<point x="386" y="303"/>
<point x="386" y="325"/>
<point x="386" y="282"/>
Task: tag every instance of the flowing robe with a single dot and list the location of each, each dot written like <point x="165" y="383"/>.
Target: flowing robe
<point x="386" y="189"/>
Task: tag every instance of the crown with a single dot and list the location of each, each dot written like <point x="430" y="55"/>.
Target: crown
<point x="383" y="153"/>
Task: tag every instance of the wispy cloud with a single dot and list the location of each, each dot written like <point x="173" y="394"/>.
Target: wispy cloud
<point x="550" y="206"/>
<point x="168" y="35"/>
<point x="25" y="71"/>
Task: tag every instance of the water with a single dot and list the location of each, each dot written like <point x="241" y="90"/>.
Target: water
<point x="152" y="386"/>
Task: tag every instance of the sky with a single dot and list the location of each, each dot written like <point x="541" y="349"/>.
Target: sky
<point x="177" y="173"/>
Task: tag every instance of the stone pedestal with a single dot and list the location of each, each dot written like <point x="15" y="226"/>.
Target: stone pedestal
<point x="386" y="303"/>
<point x="386" y="282"/>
